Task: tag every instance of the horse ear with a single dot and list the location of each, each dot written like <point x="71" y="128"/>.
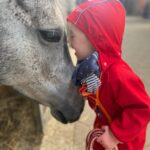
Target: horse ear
<point x="18" y="10"/>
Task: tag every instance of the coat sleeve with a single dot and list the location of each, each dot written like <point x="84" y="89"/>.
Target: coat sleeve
<point x="130" y="94"/>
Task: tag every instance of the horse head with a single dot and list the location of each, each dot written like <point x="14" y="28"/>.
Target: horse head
<point x="34" y="57"/>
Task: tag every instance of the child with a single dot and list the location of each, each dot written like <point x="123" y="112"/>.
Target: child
<point x="98" y="25"/>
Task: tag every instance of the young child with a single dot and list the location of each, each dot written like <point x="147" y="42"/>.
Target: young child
<point x="98" y="25"/>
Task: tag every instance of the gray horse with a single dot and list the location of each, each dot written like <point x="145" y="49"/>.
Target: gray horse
<point x="34" y="56"/>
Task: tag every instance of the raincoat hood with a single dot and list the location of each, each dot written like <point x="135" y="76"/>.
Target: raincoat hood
<point x="103" y="23"/>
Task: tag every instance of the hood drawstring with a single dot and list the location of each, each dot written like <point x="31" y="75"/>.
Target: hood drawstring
<point x="94" y="98"/>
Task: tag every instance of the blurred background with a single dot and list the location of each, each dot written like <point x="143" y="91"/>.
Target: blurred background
<point x="26" y="125"/>
<point x="134" y="7"/>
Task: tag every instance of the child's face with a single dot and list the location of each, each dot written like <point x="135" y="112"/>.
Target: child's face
<point x="79" y="42"/>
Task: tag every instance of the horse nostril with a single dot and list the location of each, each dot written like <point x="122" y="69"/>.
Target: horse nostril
<point x="59" y="116"/>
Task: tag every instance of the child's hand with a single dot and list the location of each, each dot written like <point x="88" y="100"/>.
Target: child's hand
<point x="107" y="139"/>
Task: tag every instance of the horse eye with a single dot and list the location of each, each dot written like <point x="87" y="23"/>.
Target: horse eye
<point x="53" y="35"/>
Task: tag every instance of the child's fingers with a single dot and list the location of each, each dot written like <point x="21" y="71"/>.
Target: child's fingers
<point x="101" y="131"/>
<point x="106" y="139"/>
<point x="99" y="140"/>
<point x="105" y="128"/>
<point x="115" y="148"/>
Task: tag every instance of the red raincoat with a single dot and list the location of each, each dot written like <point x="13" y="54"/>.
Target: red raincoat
<point x="122" y="93"/>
